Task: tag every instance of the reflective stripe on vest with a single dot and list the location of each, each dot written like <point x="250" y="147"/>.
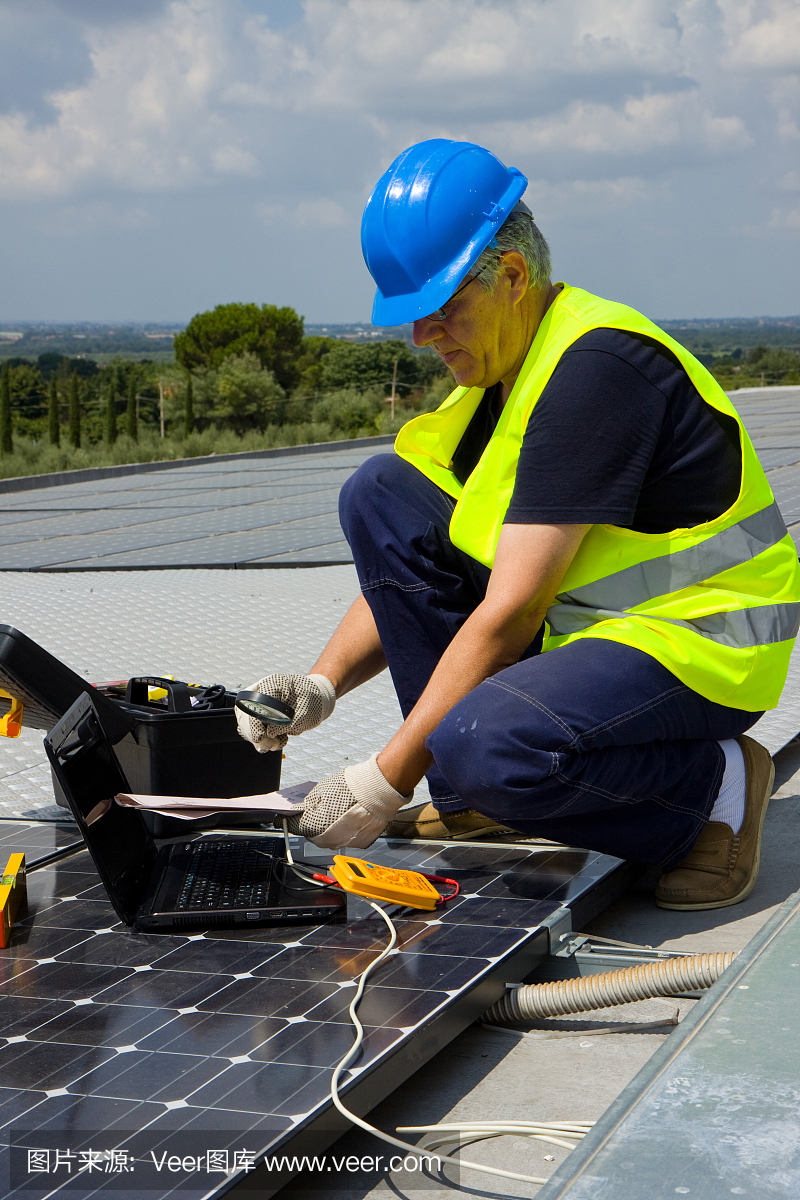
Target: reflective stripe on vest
<point x="658" y="576"/>
<point x="762" y="626"/>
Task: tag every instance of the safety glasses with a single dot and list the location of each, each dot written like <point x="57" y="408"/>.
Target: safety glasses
<point x="441" y="313"/>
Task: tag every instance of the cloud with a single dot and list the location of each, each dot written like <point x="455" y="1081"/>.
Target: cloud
<point x="785" y="95"/>
<point x="766" y="42"/>
<point x="147" y="117"/>
<point x="197" y="90"/>
<point x="166" y="124"/>
<point x="638" y="126"/>
<point x="581" y="198"/>
<point x="785" y="218"/>
<point x="324" y="213"/>
<point x="232" y="160"/>
<point x="78" y="219"/>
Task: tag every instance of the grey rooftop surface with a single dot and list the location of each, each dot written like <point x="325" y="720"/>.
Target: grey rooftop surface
<point x="262" y="511"/>
<point x="245" y="511"/>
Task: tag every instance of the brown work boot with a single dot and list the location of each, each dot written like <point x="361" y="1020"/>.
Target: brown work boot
<point x="425" y="821"/>
<point x="722" y="867"/>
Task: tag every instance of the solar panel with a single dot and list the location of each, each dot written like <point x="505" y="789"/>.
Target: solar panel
<point x="235" y="1033"/>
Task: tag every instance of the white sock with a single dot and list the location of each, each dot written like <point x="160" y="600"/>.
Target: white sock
<point x="729" y="805"/>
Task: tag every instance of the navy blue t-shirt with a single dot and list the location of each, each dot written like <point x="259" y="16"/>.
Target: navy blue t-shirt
<point x="619" y="436"/>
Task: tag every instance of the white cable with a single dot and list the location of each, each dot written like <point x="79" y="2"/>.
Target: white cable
<point x="289" y="858"/>
<point x="483" y="1129"/>
<point x="300" y="872"/>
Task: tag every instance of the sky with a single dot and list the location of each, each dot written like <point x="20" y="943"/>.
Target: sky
<point x="158" y="157"/>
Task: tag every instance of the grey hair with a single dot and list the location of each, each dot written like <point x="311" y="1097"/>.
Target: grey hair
<point x="518" y="232"/>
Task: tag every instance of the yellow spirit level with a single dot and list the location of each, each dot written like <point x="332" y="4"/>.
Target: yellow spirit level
<point x="384" y="883"/>
<point x="13" y="896"/>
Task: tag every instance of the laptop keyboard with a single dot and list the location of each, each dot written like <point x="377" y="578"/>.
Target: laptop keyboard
<point x="224" y="875"/>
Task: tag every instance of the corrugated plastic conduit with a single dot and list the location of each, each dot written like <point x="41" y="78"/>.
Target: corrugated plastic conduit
<point x="667" y="977"/>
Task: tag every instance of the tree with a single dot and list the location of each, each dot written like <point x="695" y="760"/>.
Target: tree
<point x="188" y="423"/>
<point x="111" y="407"/>
<point x="132" y="422"/>
<point x="74" y="412"/>
<point x="349" y="366"/>
<point x="54" y="425"/>
<point x="248" y="396"/>
<point x="6" y="440"/>
<point x="311" y="360"/>
<point x="50" y="364"/>
<point x="27" y="391"/>
<point x="350" y="412"/>
<point x="273" y="334"/>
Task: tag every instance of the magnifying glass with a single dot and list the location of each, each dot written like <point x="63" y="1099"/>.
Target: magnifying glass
<point x="267" y="709"/>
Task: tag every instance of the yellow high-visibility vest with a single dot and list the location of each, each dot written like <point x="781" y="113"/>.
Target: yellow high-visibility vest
<point x="718" y="604"/>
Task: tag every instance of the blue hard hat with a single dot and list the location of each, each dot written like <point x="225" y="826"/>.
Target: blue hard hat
<point x="428" y="220"/>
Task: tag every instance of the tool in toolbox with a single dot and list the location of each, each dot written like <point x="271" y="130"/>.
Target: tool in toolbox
<point x="13" y="896"/>
<point x="11" y="722"/>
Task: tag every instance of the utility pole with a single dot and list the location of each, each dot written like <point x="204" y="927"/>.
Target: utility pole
<point x="394" y="388"/>
<point x="131" y="413"/>
<point x="188" y="424"/>
<point x="161" y="404"/>
<point x="111" y="406"/>
<point x="52" y="412"/>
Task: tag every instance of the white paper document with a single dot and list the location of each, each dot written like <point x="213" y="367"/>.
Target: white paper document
<point x="287" y="801"/>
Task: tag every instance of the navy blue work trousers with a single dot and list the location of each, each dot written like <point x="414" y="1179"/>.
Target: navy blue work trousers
<point x="594" y="744"/>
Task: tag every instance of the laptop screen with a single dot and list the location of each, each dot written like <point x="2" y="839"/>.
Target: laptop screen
<point x="90" y="775"/>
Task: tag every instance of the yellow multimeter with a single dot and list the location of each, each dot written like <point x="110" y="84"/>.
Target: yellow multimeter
<point x="384" y="883"/>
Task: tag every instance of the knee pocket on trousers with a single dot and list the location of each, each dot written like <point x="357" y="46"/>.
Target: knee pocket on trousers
<point x="461" y="759"/>
<point x="388" y="472"/>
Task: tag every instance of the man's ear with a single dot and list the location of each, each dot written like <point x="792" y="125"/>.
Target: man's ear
<point x="516" y="271"/>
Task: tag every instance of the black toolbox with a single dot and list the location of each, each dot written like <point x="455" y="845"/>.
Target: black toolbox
<point x="167" y="749"/>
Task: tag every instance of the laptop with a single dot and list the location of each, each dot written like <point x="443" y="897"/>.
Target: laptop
<point x="207" y="882"/>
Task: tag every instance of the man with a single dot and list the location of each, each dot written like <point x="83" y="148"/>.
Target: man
<point x="574" y="569"/>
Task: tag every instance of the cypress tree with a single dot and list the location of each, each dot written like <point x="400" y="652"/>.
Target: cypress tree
<point x="111" y="407"/>
<point x="132" y="425"/>
<point x="52" y="413"/>
<point x="74" y="412"/>
<point x="6" y="440"/>
<point x="189" y="414"/>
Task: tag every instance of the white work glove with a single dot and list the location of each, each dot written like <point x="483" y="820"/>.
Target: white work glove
<point x="349" y="808"/>
<point x="311" y="696"/>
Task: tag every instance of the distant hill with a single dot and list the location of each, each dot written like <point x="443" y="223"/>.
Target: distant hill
<point x="709" y="338"/>
<point x="88" y="340"/>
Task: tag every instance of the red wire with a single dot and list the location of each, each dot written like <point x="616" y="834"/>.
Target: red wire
<point x="443" y="879"/>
